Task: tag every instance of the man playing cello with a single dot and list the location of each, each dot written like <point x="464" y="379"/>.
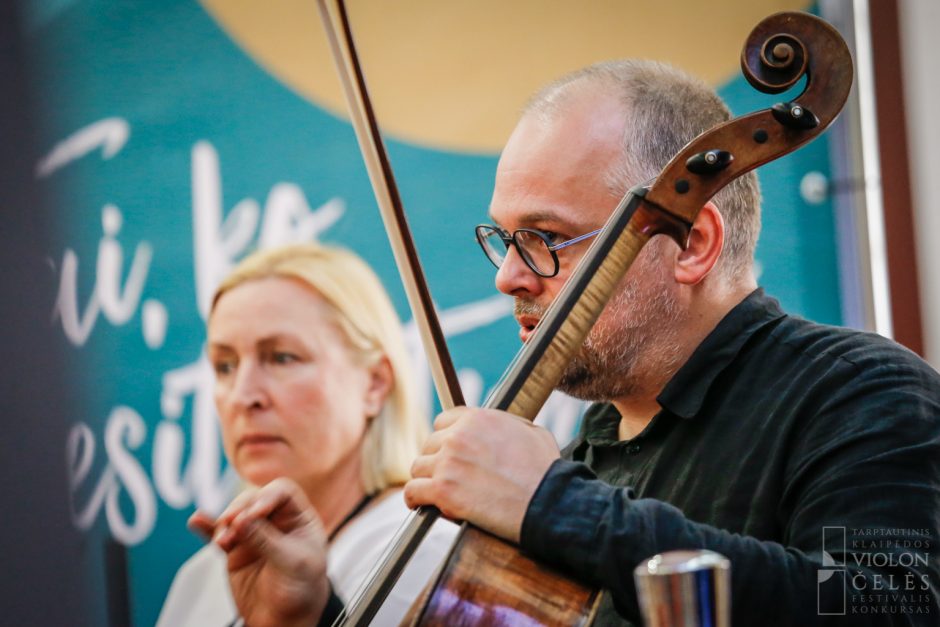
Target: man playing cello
<point x="721" y="422"/>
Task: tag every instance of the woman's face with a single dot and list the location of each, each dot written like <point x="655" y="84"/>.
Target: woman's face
<point x="291" y="398"/>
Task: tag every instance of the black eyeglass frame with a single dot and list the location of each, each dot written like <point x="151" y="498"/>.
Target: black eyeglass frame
<point x="483" y="232"/>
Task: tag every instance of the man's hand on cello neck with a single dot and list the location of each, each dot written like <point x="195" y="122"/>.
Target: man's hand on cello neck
<point x="482" y="466"/>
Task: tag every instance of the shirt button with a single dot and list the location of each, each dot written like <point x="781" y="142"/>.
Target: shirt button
<point x="633" y="449"/>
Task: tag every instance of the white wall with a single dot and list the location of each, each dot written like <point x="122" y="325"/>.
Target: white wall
<point x="920" y="27"/>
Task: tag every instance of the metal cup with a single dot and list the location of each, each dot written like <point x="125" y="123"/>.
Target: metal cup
<point x="685" y="589"/>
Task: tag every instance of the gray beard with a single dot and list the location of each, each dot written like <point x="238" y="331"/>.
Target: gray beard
<point x="630" y="349"/>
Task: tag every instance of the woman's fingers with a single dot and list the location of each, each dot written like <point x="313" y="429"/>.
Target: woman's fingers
<point x="202" y="524"/>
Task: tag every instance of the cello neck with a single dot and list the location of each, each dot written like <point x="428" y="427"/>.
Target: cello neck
<point x="539" y="366"/>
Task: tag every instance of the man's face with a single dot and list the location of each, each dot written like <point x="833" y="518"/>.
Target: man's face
<point x="554" y="176"/>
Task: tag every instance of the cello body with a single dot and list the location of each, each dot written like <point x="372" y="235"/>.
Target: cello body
<point x="526" y="593"/>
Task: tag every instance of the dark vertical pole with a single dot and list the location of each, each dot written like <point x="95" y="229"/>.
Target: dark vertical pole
<point x="39" y="547"/>
<point x="116" y="576"/>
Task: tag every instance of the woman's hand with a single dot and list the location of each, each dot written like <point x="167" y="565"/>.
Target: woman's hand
<point x="276" y="548"/>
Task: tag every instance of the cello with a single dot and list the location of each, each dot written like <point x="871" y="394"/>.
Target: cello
<point x="484" y="574"/>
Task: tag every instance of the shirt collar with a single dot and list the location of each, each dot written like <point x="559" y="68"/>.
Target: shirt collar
<point x="686" y="391"/>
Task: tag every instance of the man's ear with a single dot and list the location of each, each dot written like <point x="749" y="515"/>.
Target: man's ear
<point x="381" y="380"/>
<point x="706" y="240"/>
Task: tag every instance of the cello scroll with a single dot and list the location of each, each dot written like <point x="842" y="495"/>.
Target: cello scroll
<point x="781" y="49"/>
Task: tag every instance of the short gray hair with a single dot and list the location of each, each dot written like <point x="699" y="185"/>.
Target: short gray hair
<point x="667" y="108"/>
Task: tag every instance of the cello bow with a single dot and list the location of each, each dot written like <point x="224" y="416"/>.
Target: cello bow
<point x="484" y="575"/>
<point x="362" y="116"/>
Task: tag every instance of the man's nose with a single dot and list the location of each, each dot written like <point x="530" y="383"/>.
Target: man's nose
<point x="514" y="277"/>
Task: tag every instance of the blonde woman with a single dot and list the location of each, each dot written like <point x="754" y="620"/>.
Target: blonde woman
<point x="316" y="408"/>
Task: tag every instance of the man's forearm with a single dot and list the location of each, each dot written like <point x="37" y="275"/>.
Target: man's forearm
<point x="599" y="533"/>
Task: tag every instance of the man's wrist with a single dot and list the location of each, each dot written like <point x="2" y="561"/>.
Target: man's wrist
<point x="562" y="489"/>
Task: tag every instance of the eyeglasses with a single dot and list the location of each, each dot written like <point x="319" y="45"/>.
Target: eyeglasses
<point x="535" y="247"/>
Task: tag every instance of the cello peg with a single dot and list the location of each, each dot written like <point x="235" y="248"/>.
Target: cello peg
<point x="794" y="115"/>
<point x="709" y="162"/>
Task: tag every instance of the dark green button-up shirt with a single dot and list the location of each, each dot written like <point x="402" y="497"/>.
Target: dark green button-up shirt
<point x="775" y="428"/>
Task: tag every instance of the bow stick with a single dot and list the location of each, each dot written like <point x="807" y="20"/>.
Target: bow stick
<point x="362" y="116"/>
<point x="390" y="206"/>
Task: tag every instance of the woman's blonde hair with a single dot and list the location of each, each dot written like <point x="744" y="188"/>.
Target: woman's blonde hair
<point x="368" y="320"/>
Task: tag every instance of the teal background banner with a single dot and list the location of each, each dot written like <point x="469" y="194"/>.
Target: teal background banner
<point x="167" y="153"/>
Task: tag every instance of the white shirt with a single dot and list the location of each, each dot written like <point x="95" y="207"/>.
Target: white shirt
<point x="200" y="596"/>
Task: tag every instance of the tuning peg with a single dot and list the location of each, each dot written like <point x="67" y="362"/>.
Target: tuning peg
<point x="794" y="115"/>
<point x="709" y="162"/>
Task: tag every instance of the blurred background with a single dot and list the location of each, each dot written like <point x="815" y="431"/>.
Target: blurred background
<point x="148" y="146"/>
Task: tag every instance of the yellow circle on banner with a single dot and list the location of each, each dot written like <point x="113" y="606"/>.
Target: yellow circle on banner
<point x="454" y="74"/>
